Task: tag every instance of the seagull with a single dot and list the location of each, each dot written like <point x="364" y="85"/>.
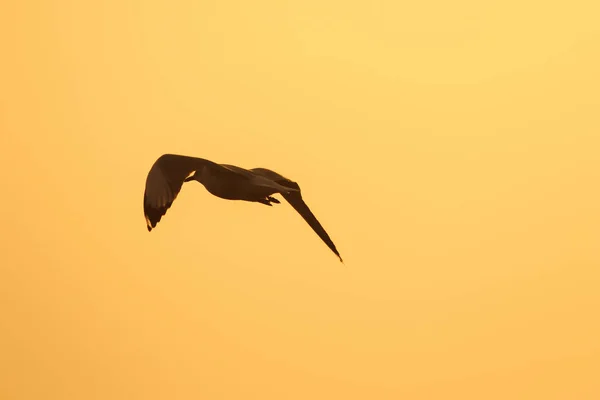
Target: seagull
<point x="170" y="171"/>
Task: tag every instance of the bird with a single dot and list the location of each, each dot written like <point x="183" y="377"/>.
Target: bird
<point x="170" y="171"/>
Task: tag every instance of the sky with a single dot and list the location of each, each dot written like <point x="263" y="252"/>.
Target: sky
<point x="449" y="149"/>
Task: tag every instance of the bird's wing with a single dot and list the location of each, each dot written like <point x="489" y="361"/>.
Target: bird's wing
<point x="165" y="179"/>
<point x="295" y="199"/>
<point x="239" y="170"/>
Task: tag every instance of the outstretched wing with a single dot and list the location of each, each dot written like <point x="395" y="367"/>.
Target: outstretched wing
<point x="296" y="201"/>
<point x="164" y="182"/>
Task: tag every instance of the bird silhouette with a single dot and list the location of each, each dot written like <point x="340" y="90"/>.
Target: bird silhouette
<point x="170" y="171"/>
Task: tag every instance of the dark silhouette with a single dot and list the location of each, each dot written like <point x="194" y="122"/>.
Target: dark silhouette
<point x="171" y="171"/>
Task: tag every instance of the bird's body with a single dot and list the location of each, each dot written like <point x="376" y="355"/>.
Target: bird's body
<point x="225" y="181"/>
<point x="243" y="186"/>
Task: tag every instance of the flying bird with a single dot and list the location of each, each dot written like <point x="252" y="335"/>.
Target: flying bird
<point x="170" y="171"/>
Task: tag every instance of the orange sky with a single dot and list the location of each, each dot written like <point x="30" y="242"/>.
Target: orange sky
<point x="451" y="150"/>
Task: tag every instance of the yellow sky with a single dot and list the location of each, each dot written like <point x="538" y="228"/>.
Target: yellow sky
<point x="451" y="150"/>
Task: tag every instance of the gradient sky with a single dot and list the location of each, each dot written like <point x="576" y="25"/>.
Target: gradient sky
<point x="451" y="150"/>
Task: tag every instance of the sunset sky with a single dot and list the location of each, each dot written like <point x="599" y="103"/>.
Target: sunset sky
<point x="450" y="149"/>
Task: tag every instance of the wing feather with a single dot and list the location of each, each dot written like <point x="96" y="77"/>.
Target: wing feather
<point x="295" y="199"/>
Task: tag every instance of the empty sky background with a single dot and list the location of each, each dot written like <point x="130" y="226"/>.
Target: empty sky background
<point x="451" y="150"/>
